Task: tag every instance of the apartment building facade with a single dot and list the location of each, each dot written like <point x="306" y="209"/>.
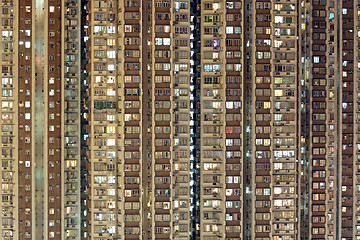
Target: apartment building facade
<point x="139" y="144"/>
<point x="40" y="119"/>
<point x="180" y="119"/>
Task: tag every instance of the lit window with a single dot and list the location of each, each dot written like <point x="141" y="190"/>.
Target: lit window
<point x="111" y="117"/>
<point x="158" y="41"/>
<point x="166" y="41"/>
<point x="278" y="19"/>
<point x="111" y="42"/>
<point x="111" y="92"/>
<point x="127" y="193"/>
<point x="6" y="81"/>
<point x="229" y="30"/>
<point x="207" y="67"/>
<point x="229" y="105"/>
<point x="110" y="142"/>
<point x="51" y="8"/>
<point x="111" y="54"/>
<point x="237" y="30"/>
<point x="267" y="142"/>
<point x="6" y="34"/>
<point x="229" y="142"/>
<point x="111" y="79"/>
<point x="278" y="43"/>
<point x="167" y="28"/>
<point x="259" y="142"/>
<point x="111" y="229"/>
<point x="111" y="29"/>
<point x="111" y="67"/>
<point x="111" y="179"/>
<point x="71" y="163"/>
<point x="5" y="104"/>
<point x="27" y="116"/>
<point x="27" y="44"/>
<point x="99" y="29"/>
<point x="215" y="43"/>
<point x="111" y="192"/>
<point x="277" y="117"/>
<point x="278" y="93"/>
<point x="166" y="66"/>
<point x="127" y="28"/>
<point x="267" y="191"/>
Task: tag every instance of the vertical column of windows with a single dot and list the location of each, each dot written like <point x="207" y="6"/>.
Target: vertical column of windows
<point x="304" y="116"/>
<point x="104" y="142"/>
<point x="356" y="177"/>
<point x="284" y="102"/>
<point x="322" y="122"/>
<point x="8" y="116"/>
<point x="131" y="42"/>
<point x="212" y="162"/>
<point x="91" y="118"/>
<point x="162" y="118"/>
<point x="347" y="117"/>
<point x="70" y="85"/>
<point x="181" y="129"/>
<point x="233" y="129"/>
<point x="52" y="89"/>
<point x="26" y="106"/>
<point x="262" y="120"/>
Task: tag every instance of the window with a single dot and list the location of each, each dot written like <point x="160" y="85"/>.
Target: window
<point x="229" y="30"/>
<point x="163" y="41"/>
<point x="111" y="29"/>
<point x="110" y="54"/>
<point x="27" y="44"/>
